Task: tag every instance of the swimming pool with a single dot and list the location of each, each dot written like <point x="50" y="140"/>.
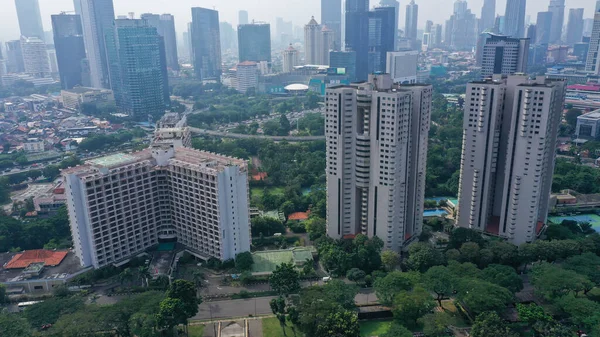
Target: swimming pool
<point x="434" y="212"/>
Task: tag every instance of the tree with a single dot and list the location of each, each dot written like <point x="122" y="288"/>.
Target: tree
<point x="342" y="323"/>
<point x="341" y="293"/>
<point x="356" y="275"/>
<point x="267" y="226"/>
<point x="316" y="227"/>
<point x="436" y="325"/>
<point x="409" y="306"/>
<point x="13" y="325"/>
<point x="3" y="297"/>
<point x="394" y="282"/>
<point x="532" y="313"/>
<point x="481" y="296"/>
<point x="439" y="280"/>
<point x="504" y="276"/>
<point x="144" y="274"/>
<point x="48" y="311"/>
<point x="143" y="325"/>
<point x="171" y="313"/>
<point x="317" y="302"/>
<point x="390" y="259"/>
<point x="587" y="264"/>
<point x="489" y="324"/>
<point x="244" y="261"/>
<point x="461" y="235"/>
<point x="578" y="309"/>
<point x="285" y="279"/>
<point x="422" y="257"/>
<point x="571" y="117"/>
<point x="397" y="330"/>
<point x="184" y="291"/>
<point x="469" y="252"/>
<point x="552" y="281"/>
<point x="278" y="309"/>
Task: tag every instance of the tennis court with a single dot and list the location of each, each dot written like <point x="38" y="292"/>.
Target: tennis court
<point x="593" y="219"/>
<point x="267" y="261"/>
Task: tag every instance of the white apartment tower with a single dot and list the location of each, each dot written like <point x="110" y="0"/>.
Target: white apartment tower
<point x="503" y="55"/>
<point x="312" y="42"/>
<point x="593" y="60"/>
<point x="35" y="56"/>
<point x="376" y="134"/>
<point x="509" y="140"/>
<point x="290" y="59"/>
<point x="121" y="205"/>
<point x="246" y="76"/>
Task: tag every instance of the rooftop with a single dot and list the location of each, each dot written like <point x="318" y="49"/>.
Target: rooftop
<point x="68" y="265"/>
<point x="112" y="160"/>
<point x="48" y="257"/>
<point x="591" y="115"/>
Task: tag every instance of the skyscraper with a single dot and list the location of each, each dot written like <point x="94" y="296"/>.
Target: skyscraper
<point x="504" y="55"/>
<point x="228" y="36"/>
<point x="557" y="7"/>
<point x="246" y="76"/>
<point x="376" y="164"/>
<point x="508" y="155"/>
<point x="254" y="42"/>
<point x="243" y="18"/>
<point x="206" y="43"/>
<point x="543" y="27"/>
<point x="402" y="66"/>
<point x="137" y="68"/>
<point x="488" y="15"/>
<point x="290" y="59"/>
<point x="35" y="56"/>
<point x="312" y="42"/>
<point x="344" y="60"/>
<point x="165" y="25"/>
<point x="97" y="19"/>
<point x="515" y="18"/>
<point x="331" y="17"/>
<point x="30" y="20"/>
<point x="357" y="35"/>
<point x="14" y="57"/>
<point x="593" y="59"/>
<point x="381" y="37"/>
<point x="575" y="26"/>
<point x="412" y="17"/>
<point x="70" y="49"/>
<point x="461" y="28"/>
<point x="396" y="5"/>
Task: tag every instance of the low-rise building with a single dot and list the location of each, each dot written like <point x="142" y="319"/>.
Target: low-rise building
<point x="75" y="98"/>
<point x="33" y="145"/>
<point x="588" y="125"/>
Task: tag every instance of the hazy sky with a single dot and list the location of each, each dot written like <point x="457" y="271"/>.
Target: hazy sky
<point x="298" y="11"/>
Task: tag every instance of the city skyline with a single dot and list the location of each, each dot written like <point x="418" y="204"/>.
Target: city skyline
<point x="299" y="12"/>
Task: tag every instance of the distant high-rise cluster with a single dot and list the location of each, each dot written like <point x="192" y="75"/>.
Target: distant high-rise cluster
<point x="319" y="40"/>
<point x="206" y="43"/>
<point x="331" y="17"/>
<point x="461" y="28"/>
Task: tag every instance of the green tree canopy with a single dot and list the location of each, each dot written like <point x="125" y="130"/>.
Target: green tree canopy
<point x="387" y="287"/>
<point x="410" y="306"/>
<point x="489" y="324"/>
<point x="285" y="279"/>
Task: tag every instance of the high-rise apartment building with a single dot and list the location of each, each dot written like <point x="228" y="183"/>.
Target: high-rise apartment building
<point x="593" y="58"/>
<point x="396" y="5"/>
<point x="30" y="19"/>
<point x="357" y="35"/>
<point x="254" y="42"/>
<point x="291" y="59"/>
<point x="402" y="66"/>
<point x="504" y="55"/>
<point x="243" y="18"/>
<point x="246" y="76"/>
<point x="412" y="18"/>
<point x="488" y="15"/>
<point x="461" y="28"/>
<point x="557" y="7"/>
<point x="575" y="26"/>
<point x="121" y="205"/>
<point x="97" y="18"/>
<point x="35" y="56"/>
<point x="165" y="25"/>
<point x="70" y="49"/>
<point x="515" y="18"/>
<point x="313" y="48"/>
<point x="331" y="17"/>
<point x="206" y="43"/>
<point x="509" y="140"/>
<point x="14" y="57"/>
<point x="543" y="27"/>
<point x="137" y="68"/>
<point x="377" y="136"/>
<point x="381" y="37"/>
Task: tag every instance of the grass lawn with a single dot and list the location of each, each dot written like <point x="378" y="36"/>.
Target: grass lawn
<point x="374" y="328"/>
<point x="196" y="330"/>
<point x="272" y="328"/>
<point x="259" y="191"/>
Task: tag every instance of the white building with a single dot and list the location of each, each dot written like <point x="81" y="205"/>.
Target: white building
<point x="509" y="141"/>
<point x="593" y="60"/>
<point x="290" y="59"/>
<point x="402" y="66"/>
<point x="33" y="145"/>
<point x="121" y="205"/>
<point x="588" y="125"/>
<point x="318" y="41"/>
<point x="35" y="57"/>
<point x="246" y="76"/>
<point x="75" y="98"/>
<point x="377" y="135"/>
<point x="504" y="55"/>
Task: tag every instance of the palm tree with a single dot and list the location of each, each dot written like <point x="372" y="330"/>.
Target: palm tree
<point x="198" y="277"/>
<point x="144" y="274"/>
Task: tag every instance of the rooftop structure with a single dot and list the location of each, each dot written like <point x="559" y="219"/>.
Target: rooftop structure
<point x="25" y="259"/>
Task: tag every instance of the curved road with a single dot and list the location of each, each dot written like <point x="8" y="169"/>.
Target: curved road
<point x="242" y="136"/>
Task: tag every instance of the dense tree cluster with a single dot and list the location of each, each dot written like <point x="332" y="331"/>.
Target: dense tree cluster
<point x="104" y="141"/>
<point x="48" y="233"/>
<point x="339" y="256"/>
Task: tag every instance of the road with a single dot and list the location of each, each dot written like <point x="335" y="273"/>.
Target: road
<point x="256" y="306"/>
<point x="241" y="136"/>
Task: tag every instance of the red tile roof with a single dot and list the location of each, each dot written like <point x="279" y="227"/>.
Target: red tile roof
<point x="298" y="216"/>
<point x="48" y="257"/>
<point x="585" y="87"/>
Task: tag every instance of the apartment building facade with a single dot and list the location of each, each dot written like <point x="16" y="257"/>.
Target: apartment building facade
<point x="121" y="205"/>
<point x="376" y="134"/>
<point x="510" y="133"/>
